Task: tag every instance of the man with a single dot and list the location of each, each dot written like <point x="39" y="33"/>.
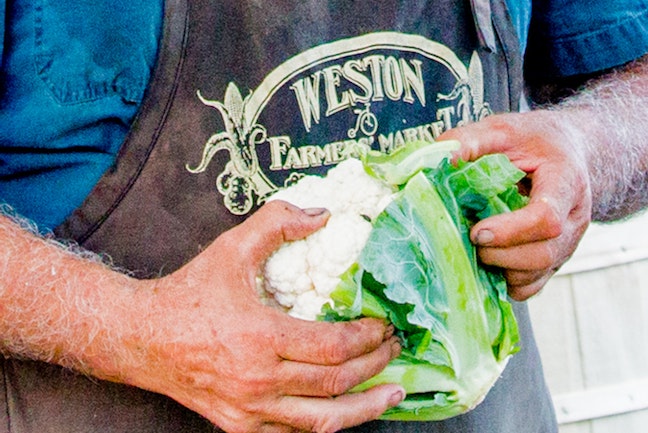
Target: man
<point x="244" y="97"/>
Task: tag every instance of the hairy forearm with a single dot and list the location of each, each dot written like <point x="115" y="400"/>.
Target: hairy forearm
<point x="62" y="306"/>
<point x="610" y="118"/>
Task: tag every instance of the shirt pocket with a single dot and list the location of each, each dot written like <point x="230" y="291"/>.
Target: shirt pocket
<point x="85" y="51"/>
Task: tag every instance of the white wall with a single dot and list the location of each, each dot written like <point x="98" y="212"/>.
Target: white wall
<point x="591" y="323"/>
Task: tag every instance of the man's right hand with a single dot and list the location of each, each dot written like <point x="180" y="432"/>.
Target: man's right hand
<point x="214" y="347"/>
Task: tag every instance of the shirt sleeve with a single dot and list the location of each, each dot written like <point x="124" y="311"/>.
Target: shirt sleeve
<point x="575" y="37"/>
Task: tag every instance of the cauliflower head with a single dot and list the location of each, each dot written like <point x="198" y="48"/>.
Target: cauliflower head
<point x="301" y="275"/>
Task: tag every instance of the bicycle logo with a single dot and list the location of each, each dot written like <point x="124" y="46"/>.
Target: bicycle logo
<point x="366" y="122"/>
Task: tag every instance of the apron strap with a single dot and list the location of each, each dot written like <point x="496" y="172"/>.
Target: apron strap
<point x="484" y="23"/>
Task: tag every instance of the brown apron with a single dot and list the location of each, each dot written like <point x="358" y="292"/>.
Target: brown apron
<point x="247" y="97"/>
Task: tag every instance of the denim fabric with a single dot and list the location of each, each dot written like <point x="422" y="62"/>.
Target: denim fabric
<point x="573" y="37"/>
<point x="73" y="74"/>
<point x="520" y="11"/>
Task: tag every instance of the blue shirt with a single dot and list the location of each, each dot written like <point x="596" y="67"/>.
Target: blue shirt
<point x="73" y="74"/>
<point x="570" y="37"/>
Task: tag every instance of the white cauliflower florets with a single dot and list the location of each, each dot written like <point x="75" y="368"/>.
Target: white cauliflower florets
<point x="302" y="274"/>
<point x="346" y="188"/>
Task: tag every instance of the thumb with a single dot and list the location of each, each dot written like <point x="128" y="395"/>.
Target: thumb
<point x="272" y="225"/>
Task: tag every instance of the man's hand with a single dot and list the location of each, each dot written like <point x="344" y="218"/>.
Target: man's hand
<point x="532" y="243"/>
<point x="586" y="158"/>
<point x="200" y="335"/>
<point x="245" y="366"/>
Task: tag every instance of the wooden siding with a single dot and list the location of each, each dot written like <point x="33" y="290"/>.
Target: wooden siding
<point x="591" y="323"/>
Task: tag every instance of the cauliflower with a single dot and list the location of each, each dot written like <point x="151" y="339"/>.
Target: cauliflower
<point x="404" y="255"/>
<point x="301" y="275"/>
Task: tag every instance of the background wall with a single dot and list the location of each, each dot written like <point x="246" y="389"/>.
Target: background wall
<point x="591" y="323"/>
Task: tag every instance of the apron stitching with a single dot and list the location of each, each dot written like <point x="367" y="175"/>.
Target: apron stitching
<point x="135" y="176"/>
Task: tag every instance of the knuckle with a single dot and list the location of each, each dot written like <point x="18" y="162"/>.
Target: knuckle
<point x="336" y="350"/>
<point x="546" y="258"/>
<point x="521" y="294"/>
<point x="338" y="381"/>
<point x="239" y="422"/>
<point x="551" y="220"/>
<point x="524" y="292"/>
<point x="501" y="124"/>
<point x="516" y="280"/>
<point x="336" y="354"/>
<point x="257" y="389"/>
<point x="279" y="206"/>
<point x="376" y="411"/>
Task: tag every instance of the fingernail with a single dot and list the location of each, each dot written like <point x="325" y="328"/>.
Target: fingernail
<point x="396" y="398"/>
<point x="315" y="211"/>
<point x="484" y="237"/>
